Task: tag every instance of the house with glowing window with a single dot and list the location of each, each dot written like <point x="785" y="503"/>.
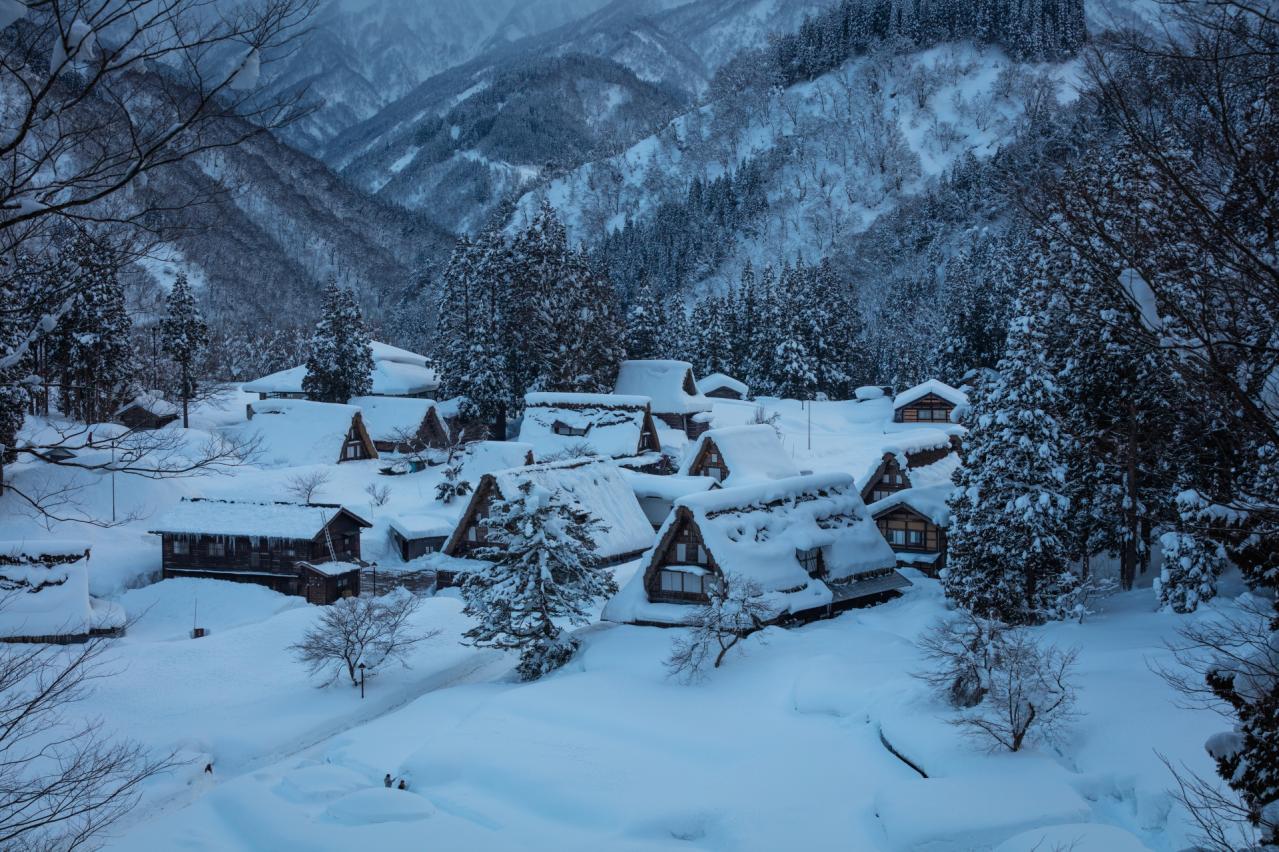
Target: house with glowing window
<point x="806" y="543"/>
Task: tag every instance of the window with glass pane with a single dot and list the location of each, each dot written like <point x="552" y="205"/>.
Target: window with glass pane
<point x="181" y="547"/>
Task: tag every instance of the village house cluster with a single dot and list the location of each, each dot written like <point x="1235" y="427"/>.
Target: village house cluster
<point x="689" y="477"/>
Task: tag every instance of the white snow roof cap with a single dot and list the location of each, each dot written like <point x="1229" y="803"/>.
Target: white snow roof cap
<point x="388" y="417"/>
<point x="613" y="424"/>
<point x="753" y="453"/>
<point x="296" y="432"/>
<point x="197" y="516"/>
<point x="716" y="381"/>
<point x="595" y="486"/>
<point x="669" y="384"/>
<point x="152" y="402"/>
<point x="37" y="550"/>
<point x="423" y="525"/>
<point x="666" y="487"/>
<point x="933" y="386"/>
<point x="487" y="456"/>
<point x="928" y="501"/>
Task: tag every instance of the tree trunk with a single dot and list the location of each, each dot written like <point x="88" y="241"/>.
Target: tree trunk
<point x="186" y="396"/>
<point x="1128" y="565"/>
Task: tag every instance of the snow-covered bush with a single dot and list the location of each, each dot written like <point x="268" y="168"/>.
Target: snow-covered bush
<point x="539" y="568"/>
<point x="1189" y="573"/>
<point x="961" y="654"/>
<point x="736" y="609"/>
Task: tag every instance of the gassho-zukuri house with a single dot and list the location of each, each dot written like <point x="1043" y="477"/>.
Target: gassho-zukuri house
<point x="807" y="542"/>
<point x="739" y="455"/>
<point x="45" y="587"/>
<point x="307" y="549"/>
<point x="596" y="486"/>
<point x="932" y="401"/>
<point x="672" y="390"/>
<point x="396" y="372"/>
<point x="612" y="426"/>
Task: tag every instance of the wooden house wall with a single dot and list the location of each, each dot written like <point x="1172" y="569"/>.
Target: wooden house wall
<point x="136" y="417"/>
<point x="683" y="532"/>
<point x="923" y="458"/>
<point x="905" y="518"/>
<point x="887" y="480"/>
<point x="257" y="555"/>
<point x="322" y="590"/>
<point x="724" y="393"/>
<point x="709" y="462"/>
<point x="929" y="408"/>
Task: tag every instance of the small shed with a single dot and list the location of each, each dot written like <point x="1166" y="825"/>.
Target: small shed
<point x="324" y="583"/>
<point x="806" y="542"/>
<point x="606" y="425"/>
<point x="670" y="386"/>
<point x="739" y="455"/>
<point x="296" y="432"/>
<point x="401" y="424"/>
<point x="256" y="542"/>
<point x="595" y="486"/>
<point x="722" y="386"/>
<point x="147" y="410"/>
<point x="415" y="535"/>
<point x="929" y="402"/>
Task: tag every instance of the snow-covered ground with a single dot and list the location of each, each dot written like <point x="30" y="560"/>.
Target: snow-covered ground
<point x="780" y="749"/>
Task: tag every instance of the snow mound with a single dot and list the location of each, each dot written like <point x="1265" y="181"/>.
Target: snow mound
<point x="828" y="686"/>
<point x="322" y="782"/>
<point x="964" y="812"/>
<point x="1079" y="837"/>
<point x="378" y="804"/>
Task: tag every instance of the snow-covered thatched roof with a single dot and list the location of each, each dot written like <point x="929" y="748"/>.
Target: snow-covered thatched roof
<point x="613" y="424"/>
<point x="294" y="432"/>
<point x="199" y="516"/>
<point x="755" y="533"/>
<point x="46" y="587"/>
<point x="753" y="453"/>
<point x="716" y="381"/>
<point x="396" y="372"/>
<point x="669" y="384"/>
<point x="594" y="486"/>
<point x="483" y="457"/>
<point x="389" y="418"/>
<point x="933" y="386"/>
<point x="669" y="488"/>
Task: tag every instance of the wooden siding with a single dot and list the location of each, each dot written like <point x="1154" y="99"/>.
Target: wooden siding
<point x="929" y="408"/>
<point x="682" y="534"/>
<point x="412" y="548"/>
<point x="724" y="393"/>
<point x="903" y="521"/>
<point x="887" y="480"/>
<point x="321" y="589"/>
<point x="709" y="462"/>
<point x="430" y="433"/>
<point x="137" y="417"/>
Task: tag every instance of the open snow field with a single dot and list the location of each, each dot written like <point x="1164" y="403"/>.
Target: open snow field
<point x="780" y="749"/>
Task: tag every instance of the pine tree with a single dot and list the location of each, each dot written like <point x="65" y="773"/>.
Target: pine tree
<point x="587" y="333"/>
<point x="339" y="362"/>
<point x="540" y="568"/>
<point x="185" y="335"/>
<point x="457" y="318"/>
<point x="1005" y="555"/>
<point x="89" y="349"/>
<point x="1189" y="573"/>
<point x="647" y="325"/>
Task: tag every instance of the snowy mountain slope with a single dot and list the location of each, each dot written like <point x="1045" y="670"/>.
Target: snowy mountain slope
<point x="363" y="54"/>
<point x="625" y="70"/>
<point x="833" y="154"/>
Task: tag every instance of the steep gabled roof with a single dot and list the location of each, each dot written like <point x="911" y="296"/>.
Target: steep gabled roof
<point x="591" y="485"/>
<point x="613" y="423"/>
<point x="152" y="403"/>
<point x="952" y="395"/>
<point x="295" y="432"/>
<point x="753" y="453"/>
<point x="669" y="384"/>
<point x="388" y="418"/>
<point x="202" y="516"/>
<point x="754" y="533"/>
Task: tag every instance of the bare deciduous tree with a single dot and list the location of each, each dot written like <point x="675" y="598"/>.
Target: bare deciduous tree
<point x="1031" y="694"/>
<point x="63" y="781"/>
<point x="378" y="494"/>
<point x="961" y="655"/>
<point x="735" y="610"/>
<point x="372" y="631"/>
<point x="304" y="486"/>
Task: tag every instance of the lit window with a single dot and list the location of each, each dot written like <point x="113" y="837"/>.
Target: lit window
<point x="898" y="536"/>
<point x="681" y="552"/>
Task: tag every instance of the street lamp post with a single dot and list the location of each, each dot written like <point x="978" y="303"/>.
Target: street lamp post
<point x="361" y="680"/>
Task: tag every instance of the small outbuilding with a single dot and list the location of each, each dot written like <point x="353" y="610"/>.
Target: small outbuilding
<point x="147" y="410"/>
<point x="932" y="401"/>
<point x="260" y="542"/>
<point x="415" y="535"/>
<point x="670" y="386"/>
<point x="722" y="386"/>
<point x="806" y="542"/>
<point x="739" y="455"/>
